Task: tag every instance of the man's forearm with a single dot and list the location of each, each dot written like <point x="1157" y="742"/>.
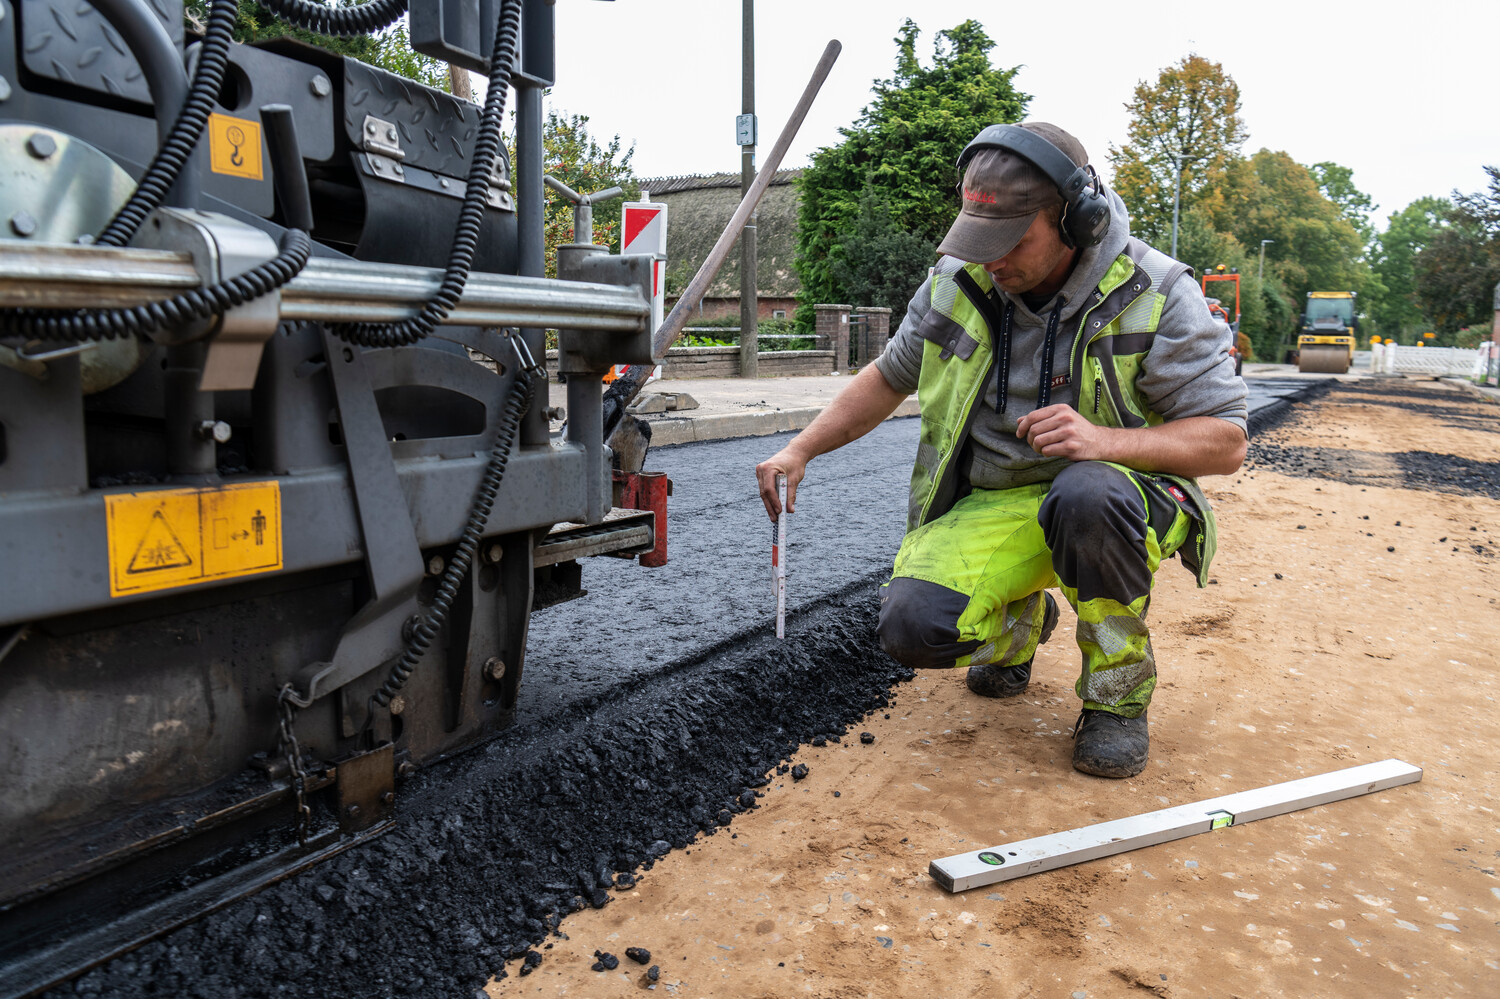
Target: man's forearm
<point x="859" y="408"/>
<point x="1198" y="445"/>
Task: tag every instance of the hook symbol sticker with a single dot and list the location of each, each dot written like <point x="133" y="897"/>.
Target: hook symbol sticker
<point x="236" y="137"/>
<point x="234" y="146"/>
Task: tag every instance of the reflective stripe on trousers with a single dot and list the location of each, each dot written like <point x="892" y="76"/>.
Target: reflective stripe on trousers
<point x="967" y="587"/>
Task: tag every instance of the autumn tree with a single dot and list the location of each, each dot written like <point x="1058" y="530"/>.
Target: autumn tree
<point x="1188" y="120"/>
<point x="885" y="195"/>
<point x="1314" y="247"/>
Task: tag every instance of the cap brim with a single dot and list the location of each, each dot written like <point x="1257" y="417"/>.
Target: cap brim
<point x="980" y="240"/>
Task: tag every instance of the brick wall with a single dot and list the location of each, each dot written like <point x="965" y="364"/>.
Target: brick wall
<point x="724" y="362"/>
<point x="833" y="323"/>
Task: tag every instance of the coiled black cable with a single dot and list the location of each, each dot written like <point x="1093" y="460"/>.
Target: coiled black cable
<point x="343" y="22"/>
<point x="142" y="320"/>
<point x="174" y="153"/>
<point x="476" y="191"/>
<point x="517" y="402"/>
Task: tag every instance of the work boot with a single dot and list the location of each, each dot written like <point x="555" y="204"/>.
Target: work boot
<point x="993" y="680"/>
<point x="1110" y="745"/>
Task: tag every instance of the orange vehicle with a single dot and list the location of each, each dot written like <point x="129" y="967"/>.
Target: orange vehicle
<point x="1219" y="312"/>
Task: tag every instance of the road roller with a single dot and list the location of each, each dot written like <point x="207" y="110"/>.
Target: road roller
<point x="1325" y="340"/>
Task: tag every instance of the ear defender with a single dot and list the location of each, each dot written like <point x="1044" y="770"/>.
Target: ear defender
<point x="1085" y="214"/>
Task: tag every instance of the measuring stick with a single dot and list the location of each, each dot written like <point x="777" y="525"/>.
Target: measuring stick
<point x="778" y="558"/>
<point x="1105" y="839"/>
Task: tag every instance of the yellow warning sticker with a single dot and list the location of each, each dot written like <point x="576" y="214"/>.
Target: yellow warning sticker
<point x="179" y="537"/>
<point x="234" y="146"/>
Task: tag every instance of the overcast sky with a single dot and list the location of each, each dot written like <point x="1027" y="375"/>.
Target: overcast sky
<point x="1404" y="94"/>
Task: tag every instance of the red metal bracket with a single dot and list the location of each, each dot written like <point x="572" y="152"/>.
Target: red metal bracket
<point x="647" y="491"/>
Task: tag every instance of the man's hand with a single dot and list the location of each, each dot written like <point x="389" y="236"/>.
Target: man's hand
<point x="1060" y="431"/>
<point x="1192" y="446"/>
<point x="786" y="463"/>
<point x="855" y="411"/>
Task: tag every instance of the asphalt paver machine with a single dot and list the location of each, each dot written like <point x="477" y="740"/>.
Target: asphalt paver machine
<point x="271" y="533"/>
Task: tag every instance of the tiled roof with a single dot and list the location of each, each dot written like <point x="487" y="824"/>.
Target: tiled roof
<point x="702" y="182"/>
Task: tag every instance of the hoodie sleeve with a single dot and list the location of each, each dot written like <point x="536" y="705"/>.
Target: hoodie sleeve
<point x="901" y="361"/>
<point x="1188" y="371"/>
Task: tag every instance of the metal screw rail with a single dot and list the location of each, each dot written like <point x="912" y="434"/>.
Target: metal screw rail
<point x="64" y="276"/>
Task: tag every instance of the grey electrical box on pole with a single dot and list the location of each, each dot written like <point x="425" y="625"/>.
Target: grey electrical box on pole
<point x="745" y="135"/>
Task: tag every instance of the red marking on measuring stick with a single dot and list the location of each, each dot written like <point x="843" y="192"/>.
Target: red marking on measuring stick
<point x="778" y="557"/>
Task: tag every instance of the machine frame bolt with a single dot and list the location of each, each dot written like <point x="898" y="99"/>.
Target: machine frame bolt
<point x="435" y="565"/>
<point x="494" y="668"/>
<point x="494" y="553"/>
<point x="407" y="768"/>
<point x="398" y="704"/>
<point x="214" y="430"/>
<point x="41" y="145"/>
<point x="23" y="223"/>
<point x="388" y="799"/>
<point x="352" y="811"/>
<point x="320" y="86"/>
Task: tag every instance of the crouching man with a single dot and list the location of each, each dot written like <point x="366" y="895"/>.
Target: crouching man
<point x="1073" y="385"/>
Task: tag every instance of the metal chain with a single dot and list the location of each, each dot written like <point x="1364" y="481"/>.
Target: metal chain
<point x="287" y="716"/>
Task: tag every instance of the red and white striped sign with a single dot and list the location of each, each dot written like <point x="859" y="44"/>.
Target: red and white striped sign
<point x="643" y="226"/>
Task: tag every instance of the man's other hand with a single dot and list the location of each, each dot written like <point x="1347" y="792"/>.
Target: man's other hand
<point x="1060" y="431"/>
<point x="786" y="463"/>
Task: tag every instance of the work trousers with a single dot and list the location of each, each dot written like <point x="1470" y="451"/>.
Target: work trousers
<point x="967" y="588"/>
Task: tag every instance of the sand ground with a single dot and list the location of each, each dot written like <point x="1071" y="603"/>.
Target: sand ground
<point x="1353" y="619"/>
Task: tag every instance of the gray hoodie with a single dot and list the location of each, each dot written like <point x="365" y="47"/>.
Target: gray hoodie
<point x="1187" y="373"/>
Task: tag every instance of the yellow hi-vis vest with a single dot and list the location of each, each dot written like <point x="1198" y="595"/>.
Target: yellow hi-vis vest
<point x="1113" y="338"/>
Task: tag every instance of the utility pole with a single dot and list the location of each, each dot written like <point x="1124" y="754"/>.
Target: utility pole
<point x="1261" y="276"/>
<point x="1176" y="200"/>
<point x="745" y="133"/>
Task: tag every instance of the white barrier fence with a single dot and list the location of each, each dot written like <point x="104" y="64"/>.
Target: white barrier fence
<point x="1439" y="362"/>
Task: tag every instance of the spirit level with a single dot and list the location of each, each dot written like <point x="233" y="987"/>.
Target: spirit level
<point x="1105" y="839"/>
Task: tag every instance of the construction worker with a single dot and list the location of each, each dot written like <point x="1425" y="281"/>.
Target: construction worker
<point x="1073" y="385"/>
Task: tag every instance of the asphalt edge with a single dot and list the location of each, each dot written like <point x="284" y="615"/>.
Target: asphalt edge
<point x="686" y="430"/>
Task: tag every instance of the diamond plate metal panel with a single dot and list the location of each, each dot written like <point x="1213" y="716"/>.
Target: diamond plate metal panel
<point x="68" y="41"/>
<point x="436" y="130"/>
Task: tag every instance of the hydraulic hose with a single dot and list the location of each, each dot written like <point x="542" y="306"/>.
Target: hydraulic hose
<point x="343" y="22"/>
<point x="200" y="303"/>
<point x="517" y="402"/>
<point x="466" y="234"/>
<point x="182" y="139"/>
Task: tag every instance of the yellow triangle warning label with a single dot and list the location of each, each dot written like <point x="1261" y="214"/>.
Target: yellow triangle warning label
<point x="160" y="548"/>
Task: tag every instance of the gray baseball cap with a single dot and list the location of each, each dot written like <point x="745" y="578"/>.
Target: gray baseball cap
<point x="1002" y="194"/>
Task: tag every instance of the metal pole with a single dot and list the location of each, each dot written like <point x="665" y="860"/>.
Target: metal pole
<point x="677" y="318"/>
<point x="1261" y="276"/>
<point x="749" y="304"/>
<point x="531" y="256"/>
<point x="1176" y="200"/>
<point x="628" y="386"/>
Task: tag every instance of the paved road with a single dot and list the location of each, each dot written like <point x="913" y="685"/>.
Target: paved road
<point x="637" y="621"/>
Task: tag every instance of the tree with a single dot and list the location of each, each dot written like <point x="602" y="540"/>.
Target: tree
<point x="390" y="49"/>
<point x="1314" y="248"/>
<point x="575" y="158"/>
<point x="1191" y="112"/>
<point x="894" y="171"/>
<point x="1337" y="184"/>
<point x="1399" y="312"/>
<point x="1457" y="271"/>
<point x="879" y="257"/>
